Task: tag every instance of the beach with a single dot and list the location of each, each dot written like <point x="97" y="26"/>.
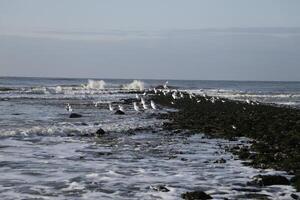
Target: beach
<point x="228" y="145"/>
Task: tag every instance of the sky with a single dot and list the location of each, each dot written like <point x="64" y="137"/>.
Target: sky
<point x="142" y="39"/>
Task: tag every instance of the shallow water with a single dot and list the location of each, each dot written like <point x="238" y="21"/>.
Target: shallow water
<point x="45" y="154"/>
<point x="124" y="166"/>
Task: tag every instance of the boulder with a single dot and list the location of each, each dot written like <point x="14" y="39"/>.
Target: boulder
<point x="119" y="112"/>
<point x="75" y="115"/>
<point x="196" y="195"/>
<point x="222" y="160"/>
<point x="267" y="180"/>
<point x="160" y="188"/>
<point x="100" y="132"/>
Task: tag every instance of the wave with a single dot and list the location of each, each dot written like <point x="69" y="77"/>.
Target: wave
<point x="95" y="85"/>
<point x="135" y="85"/>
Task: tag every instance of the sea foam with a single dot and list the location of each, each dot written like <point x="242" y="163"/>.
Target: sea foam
<point x="96" y="85"/>
<point x="135" y="85"/>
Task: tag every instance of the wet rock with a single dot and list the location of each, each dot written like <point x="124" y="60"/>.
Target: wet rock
<point x="119" y="112"/>
<point x="4" y="89"/>
<point x="267" y="180"/>
<point x="100" y="132"/>
<point x="222" y="160"/>
<point x="75" y="115"/>
<point x="294" y="196"/>
<point x="196" y="195"/>
<point x="159" y="188"/>
<point x="296" y="181"/>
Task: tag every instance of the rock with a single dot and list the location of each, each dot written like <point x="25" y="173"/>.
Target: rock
<point x="267" y="180"/>
<point x="75" y="115"/>
<point x="196" y="195"/>
<point x="222" y="160"/>
<point x="119" y="112"/>
<point x="160" y="188"/>
<point x="100" y="132"/>
<point x="294" y="196"/>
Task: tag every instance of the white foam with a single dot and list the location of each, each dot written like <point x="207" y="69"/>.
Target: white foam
<point x="135" y="85"/>
<point x="95" y="85"/>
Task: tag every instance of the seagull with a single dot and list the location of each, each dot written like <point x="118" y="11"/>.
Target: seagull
<point x="233" y="127"/>
<point x="110" y="107"/>
<point x="144" y="105"/>
<point x="153" y="106"/>
<point x="172" y="102"/>
<point x="155" y="91"/>
<point x="69" y="108"/>
<point x="121" y="108"/>
<point x="135" y="106"/>
<point x="181" y="95"/>
<point x="165" y="85"/>
<point x="247" y="101"/>
<point x="174" y="95"/>
<point x="198" y="101"/>
<point x="213" y="100"/>
<point x="142" y="100"/>
<point x="96" y="104"/>
<point x="137" y="96"/>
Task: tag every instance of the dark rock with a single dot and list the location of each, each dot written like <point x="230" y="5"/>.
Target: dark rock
<point x="119" y="112"/>
<point x="294" y="196"/>
<point x="222" y="160"/>
<point x="75" y="115"/>
<point x="196" y="195"/>
<point x="4" y="89"/>
<point x="267" y="180"/>
<point x="160" y="188"/>
<point x="100" y="132"/>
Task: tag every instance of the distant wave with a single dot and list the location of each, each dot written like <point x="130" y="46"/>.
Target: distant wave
<point x="135" y="85"/>
<point x="95" y="85"/>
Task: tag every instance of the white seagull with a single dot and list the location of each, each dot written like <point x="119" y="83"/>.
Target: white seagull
<point x="181" y="95"/>
<point x="121" y="108"/>
<point x="137" y="96"/>
<point x="110" y="107"/>
<point x="153" y="106"/>
<point x="135" y="106"/>
<point x="69" y="108"/>
<point x="145" y="106"/>
<point x="142" y="100"/>
<point x="174" y="95"/>
<point x="165" y="85"/>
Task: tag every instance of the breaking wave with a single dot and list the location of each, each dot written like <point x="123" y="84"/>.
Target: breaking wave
<point x="95" y="85"/>
<point x="135" y="85"/>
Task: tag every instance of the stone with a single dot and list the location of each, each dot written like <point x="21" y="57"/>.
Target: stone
<point x="196" y="195"/>
<point x="160" y="188"/>
<point x="119" y="112"/>
<point x="100" y="132"/>
<point x="75" y="115"/>
<point x="267" y="180"/>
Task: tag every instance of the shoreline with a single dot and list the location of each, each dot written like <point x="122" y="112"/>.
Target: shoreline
<point x="274" y="130"/>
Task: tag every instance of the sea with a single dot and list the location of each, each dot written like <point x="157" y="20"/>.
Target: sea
<point x="44" y="154"/>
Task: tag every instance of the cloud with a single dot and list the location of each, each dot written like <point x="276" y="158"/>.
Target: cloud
<point x="115" y="35"/>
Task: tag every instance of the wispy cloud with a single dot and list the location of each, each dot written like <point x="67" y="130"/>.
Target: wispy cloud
<point x="123" y="35"/>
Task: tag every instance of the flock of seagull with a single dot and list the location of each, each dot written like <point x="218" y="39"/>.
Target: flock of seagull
<point x="176" y="94"/>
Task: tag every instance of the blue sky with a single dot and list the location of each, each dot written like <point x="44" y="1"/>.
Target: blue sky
<point x="169" y="39"/>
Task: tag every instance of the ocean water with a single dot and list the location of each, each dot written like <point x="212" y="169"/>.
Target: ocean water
<point x="46" y="155"/>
